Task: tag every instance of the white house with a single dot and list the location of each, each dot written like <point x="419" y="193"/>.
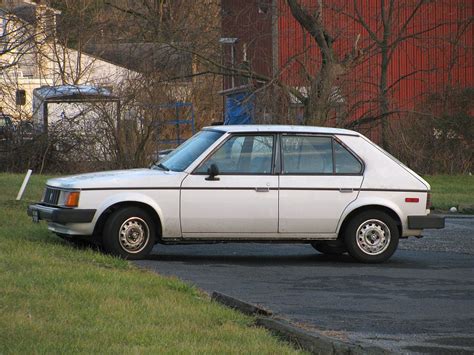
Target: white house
<point x="32" y="57"/>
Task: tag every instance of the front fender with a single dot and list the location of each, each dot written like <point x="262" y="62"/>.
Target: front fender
<point x="129" y="197"/>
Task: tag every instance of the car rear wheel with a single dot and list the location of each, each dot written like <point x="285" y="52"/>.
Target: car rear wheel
<point x="330" y="248"/>
<point x="129" y="233"/>
<point x="371" y="236"/>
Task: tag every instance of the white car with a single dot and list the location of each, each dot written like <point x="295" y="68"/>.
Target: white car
<point x="331" y="188"/>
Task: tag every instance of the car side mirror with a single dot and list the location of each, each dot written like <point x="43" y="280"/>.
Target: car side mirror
<point x="213" y="171"/>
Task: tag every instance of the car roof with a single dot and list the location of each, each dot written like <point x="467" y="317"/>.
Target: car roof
<point x="282" y="128"/>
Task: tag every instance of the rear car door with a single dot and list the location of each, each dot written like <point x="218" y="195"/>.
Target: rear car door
<point x="319" y="178"/>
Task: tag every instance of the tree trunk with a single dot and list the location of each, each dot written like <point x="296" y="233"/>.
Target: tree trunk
<point x="318" y="105"/>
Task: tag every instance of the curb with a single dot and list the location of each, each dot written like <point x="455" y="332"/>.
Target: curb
<point x="313" y="342"/>
<point x="316" y="343"/>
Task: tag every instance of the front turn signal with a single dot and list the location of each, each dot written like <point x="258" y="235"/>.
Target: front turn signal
<point x="72" y="199"/>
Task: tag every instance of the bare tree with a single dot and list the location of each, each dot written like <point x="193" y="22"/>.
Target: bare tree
<point x="178" y="46"/>
<point x="19" y="41"/>
<point x="392" y="24"/>
<point x="16" y="39"/>
<point x="439" y="136"/>
<point x="317" y="100"/>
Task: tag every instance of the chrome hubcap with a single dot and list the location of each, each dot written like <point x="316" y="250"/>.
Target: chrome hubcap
<point x="373" y="237"/>
<point x="134" y="235"/>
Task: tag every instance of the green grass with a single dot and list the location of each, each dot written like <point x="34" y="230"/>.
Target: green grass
<point x="448" y="191"/>
<point x="55" y="298"/>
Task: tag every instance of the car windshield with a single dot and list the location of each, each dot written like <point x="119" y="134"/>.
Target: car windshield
<point x="180" y="158"/>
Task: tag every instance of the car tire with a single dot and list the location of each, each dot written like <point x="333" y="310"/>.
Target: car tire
<point x="129" y="233"/>
<point x="371" y="236"/>
<point x="330" y="248"/>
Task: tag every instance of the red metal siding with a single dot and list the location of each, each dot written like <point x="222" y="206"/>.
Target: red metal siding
<point x="418" y="67"/>
<point x="424" y="64"/>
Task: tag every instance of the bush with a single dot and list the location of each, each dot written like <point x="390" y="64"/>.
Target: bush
<point x="439" y="140"/>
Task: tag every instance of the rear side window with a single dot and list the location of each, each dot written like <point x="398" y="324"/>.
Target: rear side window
<point x="307" y="155"/>
<point x="345" y="162"/>
<point x="317" y="155"/>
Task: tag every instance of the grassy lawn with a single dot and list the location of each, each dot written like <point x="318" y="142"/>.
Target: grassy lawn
<point x="58" y="299"/>
<point x="55" y="298"/>
<point x="448" y="191"/>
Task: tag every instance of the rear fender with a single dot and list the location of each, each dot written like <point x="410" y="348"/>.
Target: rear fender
<point x="372" y="201"/>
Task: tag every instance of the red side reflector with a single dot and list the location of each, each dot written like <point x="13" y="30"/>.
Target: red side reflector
<point x="412" y="199"/>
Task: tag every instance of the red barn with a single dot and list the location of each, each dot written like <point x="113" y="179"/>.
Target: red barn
<point x="431" y="47"/>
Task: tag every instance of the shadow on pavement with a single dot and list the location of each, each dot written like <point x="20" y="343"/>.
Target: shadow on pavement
<point x="298" y="256"/>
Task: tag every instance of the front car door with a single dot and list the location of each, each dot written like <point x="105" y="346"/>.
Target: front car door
<point x="319" y="178"/>
<point x="242" y="202"/>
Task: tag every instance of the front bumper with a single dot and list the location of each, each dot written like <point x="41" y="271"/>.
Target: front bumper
<point x="60" y="215"/>
<point x="425" y="222"/>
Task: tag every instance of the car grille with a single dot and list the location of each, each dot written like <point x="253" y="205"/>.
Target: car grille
<point x="51" y="196"/>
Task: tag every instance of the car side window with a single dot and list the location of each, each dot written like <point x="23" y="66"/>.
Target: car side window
<point x="345" y="162"/>
<point x="250" y="154"/>
<point x="307" y="155"/>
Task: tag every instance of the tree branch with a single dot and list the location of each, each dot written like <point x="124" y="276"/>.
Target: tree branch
<point x="314" y="26"/>
<point x="364" y="24"/>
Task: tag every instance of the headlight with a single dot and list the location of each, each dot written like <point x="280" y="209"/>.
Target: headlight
<point x="70" y="198"/>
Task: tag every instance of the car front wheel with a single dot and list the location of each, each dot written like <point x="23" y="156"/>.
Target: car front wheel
<point x="371" y="237"/>
<point x="129" y="233"/>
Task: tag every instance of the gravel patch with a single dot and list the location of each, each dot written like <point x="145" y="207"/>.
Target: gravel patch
<point x="457" y="237"/>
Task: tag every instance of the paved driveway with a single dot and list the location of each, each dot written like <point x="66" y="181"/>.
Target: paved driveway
<point x="421" y="300"/>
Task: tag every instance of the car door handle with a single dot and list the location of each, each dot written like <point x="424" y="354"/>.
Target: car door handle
<point x="342" y="190"/>
<point x="262" y="189"/>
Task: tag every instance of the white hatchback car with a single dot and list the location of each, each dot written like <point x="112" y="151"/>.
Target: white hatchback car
<point x="331" y="188"/>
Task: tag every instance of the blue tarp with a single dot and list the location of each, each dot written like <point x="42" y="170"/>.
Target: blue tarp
<point x="239" y="108"/>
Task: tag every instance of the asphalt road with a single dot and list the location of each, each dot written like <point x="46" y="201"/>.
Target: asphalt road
<point x="421" y="300"/>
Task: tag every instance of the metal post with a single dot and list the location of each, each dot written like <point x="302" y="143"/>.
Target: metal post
<point x="45" y="117"/>
<point x="232" y="63"/>
<point x="23" y="186"/>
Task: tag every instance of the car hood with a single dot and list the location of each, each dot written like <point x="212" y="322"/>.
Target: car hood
<point x="120" y="179"/>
